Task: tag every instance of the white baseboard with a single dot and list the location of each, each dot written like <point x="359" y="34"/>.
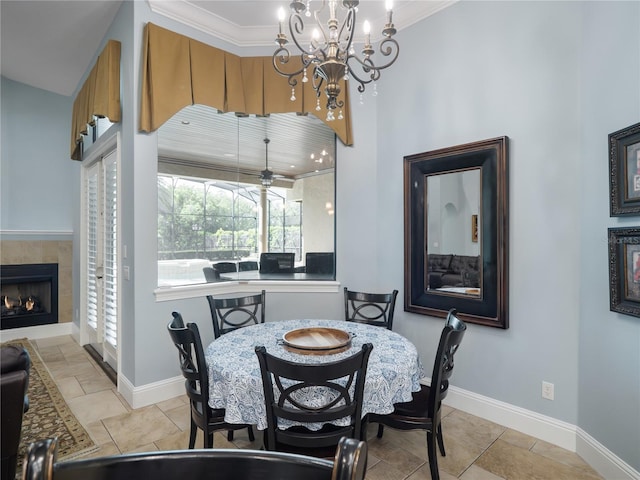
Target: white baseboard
<point x="540" y="426"/>
<point x="40" y="331"/>
<point x="138" y="397"/>
<point x="557" y="432"/>
<point x="602" y="460"/>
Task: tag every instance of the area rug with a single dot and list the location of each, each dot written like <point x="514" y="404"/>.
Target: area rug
<point x="49" y="415"/>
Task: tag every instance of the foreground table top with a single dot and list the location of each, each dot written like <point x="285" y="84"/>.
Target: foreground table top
<point x="393" y="373"/>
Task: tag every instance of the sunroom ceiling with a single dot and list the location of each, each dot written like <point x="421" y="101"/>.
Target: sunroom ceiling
<point x="200" y="134"/>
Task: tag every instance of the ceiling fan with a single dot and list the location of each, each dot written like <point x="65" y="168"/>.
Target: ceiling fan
<point x="266" y="175"/>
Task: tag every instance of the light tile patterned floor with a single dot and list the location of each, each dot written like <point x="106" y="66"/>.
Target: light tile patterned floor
<point x="476" y="449"/>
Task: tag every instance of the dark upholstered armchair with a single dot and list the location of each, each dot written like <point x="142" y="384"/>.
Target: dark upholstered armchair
<point x="350" y="463"/>
<point x="15" y="364"/>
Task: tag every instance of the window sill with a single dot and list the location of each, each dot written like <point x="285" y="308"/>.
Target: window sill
<point x="164" y="294"/>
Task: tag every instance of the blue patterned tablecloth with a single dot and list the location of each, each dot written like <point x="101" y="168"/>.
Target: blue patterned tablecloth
<point x="235" y="383"/>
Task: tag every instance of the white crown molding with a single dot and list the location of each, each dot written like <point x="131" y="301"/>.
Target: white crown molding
<point x="405" y="14"/>
<point x="208" y="22"/>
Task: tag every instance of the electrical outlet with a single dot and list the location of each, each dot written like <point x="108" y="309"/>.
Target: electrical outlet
<point x="547" y="390"/>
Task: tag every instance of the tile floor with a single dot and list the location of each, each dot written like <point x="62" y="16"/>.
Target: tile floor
<point x="476" y="449"/>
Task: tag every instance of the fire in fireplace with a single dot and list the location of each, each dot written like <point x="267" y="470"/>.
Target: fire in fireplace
<point x="29" y="295"/>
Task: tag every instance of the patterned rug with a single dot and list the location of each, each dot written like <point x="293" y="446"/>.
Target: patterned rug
<point x="49" y="415"/>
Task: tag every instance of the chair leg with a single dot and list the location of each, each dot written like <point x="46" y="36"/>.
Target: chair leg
<point x="380" y="430"/>
<point x="251" y="436"/>
<point x="208" y="440"/>
<point x="192" y="435"/>
<point x="433" y="456"/>
<point x="230" y="435"/>
<point x="440" y="440"/>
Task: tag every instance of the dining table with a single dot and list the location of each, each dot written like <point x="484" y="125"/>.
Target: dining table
<point x="235" y="383"/>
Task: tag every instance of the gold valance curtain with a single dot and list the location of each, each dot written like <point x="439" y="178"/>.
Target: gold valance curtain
<point x="99" y="96"/>
<point x="179" y="71"/>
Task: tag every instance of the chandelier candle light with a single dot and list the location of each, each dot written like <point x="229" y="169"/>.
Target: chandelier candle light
<point x="330" y="55"/>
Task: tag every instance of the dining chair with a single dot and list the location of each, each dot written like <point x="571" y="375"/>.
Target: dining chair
<point x="194" y="369"/>
<point x="424" y="409"/>
<point x="372" y="308"/>
<point x="247" y="265"/>
<point x="292" y="393"/>
<point x="277" y="262"/>
<point x="211" y="274"/>
<point x="225" y="267"/>
<point x="229" y="314"/>
<point x="350" y="463"/>
<point x="319" y="262"/>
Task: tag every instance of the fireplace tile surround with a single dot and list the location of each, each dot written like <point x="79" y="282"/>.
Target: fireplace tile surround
<point x="15" y="252"/>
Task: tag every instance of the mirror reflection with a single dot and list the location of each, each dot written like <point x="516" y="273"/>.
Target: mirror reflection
<point x="245" y="197"/>
<point x="454" y="261"/>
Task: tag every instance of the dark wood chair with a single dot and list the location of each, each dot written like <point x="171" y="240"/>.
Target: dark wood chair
<point x="247" y="265"/>
<point x="225" y="267"/>
<point x="350" y="463"/>
<point x="372" y="308"/>
<point x="423" y="411"/>
<point x="211" y="274"/>
<point x="319" y="262"/>
<point x="287" y="387"/>
<point x="277" y="262"/>
<point x="229" y="314"/>
<point x="194" y="369"/>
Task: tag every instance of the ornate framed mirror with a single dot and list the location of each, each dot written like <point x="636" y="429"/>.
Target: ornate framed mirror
<point x="456" y="232"/>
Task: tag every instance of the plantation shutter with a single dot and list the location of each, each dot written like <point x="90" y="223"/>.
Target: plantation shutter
<point x="93" y="213"/>
<point x="110" y="243"/>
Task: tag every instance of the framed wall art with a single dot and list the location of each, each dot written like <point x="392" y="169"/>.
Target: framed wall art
<point x="474" y="228"/>
<point x="624" y="270"/>
<point x="624" y="166"/>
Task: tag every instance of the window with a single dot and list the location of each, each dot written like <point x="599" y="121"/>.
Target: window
<point x="213" y="206"/>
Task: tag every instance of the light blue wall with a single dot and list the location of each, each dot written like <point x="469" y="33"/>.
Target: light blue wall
<point x="609" y="356"/>
<point x="540" y="73"/>
<point x="480" y="70"/>
<point x="36" y="171"/>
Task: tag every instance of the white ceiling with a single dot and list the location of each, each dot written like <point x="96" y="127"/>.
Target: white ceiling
<point x="49" y="44"/>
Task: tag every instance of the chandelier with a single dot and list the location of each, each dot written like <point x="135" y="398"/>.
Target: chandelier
<point x="328" y="54"/>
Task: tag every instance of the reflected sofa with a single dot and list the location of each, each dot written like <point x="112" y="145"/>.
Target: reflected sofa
<point x="448" y="270"/>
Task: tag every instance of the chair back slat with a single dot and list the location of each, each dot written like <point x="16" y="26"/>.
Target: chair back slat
<point x="277" y="262"/>
<point x="192" y="361"/>
<point x="312" y="393"/>
<point x="225" y="267"/>
<point x="229" y="314"/>
<point x="450" y="340"/>
<point x="350" y="463"/>
<point x="319" y="262"/>
<point x="247" y="265"/>
<point x="371" y="308"/>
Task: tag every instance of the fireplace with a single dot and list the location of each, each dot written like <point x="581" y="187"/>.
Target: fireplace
<point x="29" y="295"/>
